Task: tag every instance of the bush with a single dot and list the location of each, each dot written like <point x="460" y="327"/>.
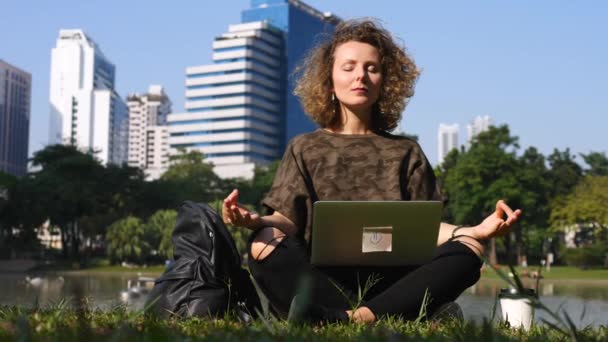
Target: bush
<point x="126" y="241"/>
<point x="588" y="256"/>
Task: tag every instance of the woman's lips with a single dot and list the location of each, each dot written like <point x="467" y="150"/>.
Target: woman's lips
<point x="360" y="90"/>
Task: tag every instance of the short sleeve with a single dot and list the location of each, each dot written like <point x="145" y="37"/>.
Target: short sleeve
<point x="421" y="182"/>
<point x="289" y="193"/>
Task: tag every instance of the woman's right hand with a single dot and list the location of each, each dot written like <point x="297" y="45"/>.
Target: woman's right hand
<point x="237" y="215"/>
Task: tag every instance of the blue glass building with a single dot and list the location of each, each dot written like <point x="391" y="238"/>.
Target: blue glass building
<point x="15" y="102"/>
<point x="240" y="110"/>
<point x="302" y="26"/>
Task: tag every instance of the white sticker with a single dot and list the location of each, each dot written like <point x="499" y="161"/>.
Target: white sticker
<point x="377" y="239"/>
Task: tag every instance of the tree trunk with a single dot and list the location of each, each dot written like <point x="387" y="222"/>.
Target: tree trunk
<point x="492" y="253"/>
<point x="75" y="241"/>
<point x="64" y="242"/>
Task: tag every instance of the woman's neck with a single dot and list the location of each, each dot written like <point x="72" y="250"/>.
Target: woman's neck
<point x="354" y="121"/>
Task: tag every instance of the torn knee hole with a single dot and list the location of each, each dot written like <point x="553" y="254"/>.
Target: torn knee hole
<point x="262" y="247"/>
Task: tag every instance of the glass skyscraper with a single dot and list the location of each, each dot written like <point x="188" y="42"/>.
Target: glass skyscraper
<point x="240" y="110"/>
<point x="15" y="99"/>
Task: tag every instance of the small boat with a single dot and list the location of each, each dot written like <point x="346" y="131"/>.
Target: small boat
<point x="137" y="289"/>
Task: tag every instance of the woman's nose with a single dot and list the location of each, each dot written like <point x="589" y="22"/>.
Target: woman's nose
<point x="360" y="73"/>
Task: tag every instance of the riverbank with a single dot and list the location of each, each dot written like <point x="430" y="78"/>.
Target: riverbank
<point x="556" y="273"/>
<point x="99" y="266"/>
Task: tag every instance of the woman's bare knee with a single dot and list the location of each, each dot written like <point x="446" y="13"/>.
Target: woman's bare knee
<point x="265" y="242"/>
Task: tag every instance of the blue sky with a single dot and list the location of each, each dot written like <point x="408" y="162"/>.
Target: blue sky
<point x="539" y="66"/>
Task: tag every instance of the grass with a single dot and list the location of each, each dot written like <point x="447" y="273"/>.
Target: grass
<point x="556" y="273"/>
<point x="62" y="323"/>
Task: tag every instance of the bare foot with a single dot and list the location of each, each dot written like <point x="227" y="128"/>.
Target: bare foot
<point x="361" y="315"/>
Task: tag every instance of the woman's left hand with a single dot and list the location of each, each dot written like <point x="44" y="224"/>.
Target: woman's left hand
<point x="495" y="224"/>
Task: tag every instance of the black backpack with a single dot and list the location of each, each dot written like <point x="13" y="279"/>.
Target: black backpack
<point x="205" y="278"/>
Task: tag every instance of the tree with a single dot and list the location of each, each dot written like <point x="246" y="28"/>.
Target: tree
<point x="482" y="175"/>
<point x="535" y="187"/>
<point x="66" y="189"/>
<point x="18" y="209"/>
<point x="598" y="163"/>
<point x="564" y="173"/>
<point x="441" y="172"/>
<point x="125" y="240"/>
<point x="159" y="230"/>
<point x="586" y="204"/>
<point x="193" y="177"/>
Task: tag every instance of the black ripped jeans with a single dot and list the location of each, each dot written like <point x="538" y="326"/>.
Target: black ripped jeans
<point x="332" y="290"/>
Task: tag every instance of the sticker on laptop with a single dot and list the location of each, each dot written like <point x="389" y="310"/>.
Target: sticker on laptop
<point x="377" y="239"/>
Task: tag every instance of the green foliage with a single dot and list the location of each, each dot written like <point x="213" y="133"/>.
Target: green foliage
<point x="564" y="172"/>
<point x="159" y="229"/>
<point x="587" y="256"/>
<point x="125" y="240"/>
<point x="482" y="175"/>
<point x="193" y="177"/>
<point x="598" y="163"/>
<point x="586" y="204"/>
<point x="491" y="170"/>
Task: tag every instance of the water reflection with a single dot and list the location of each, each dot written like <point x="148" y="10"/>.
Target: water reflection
<point x="588" y="290"/>
<point x="585" y="301"/>
<point x="102" y="290"/>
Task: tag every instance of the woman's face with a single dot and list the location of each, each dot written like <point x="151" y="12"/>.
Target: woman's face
<point x="356" y="75"/>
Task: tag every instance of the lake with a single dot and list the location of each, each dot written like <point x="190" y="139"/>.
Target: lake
<point x="585" y="301"/>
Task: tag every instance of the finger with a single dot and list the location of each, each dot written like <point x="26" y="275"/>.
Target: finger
<point x="225" y="215"/>
<point x="237" y="214"/>
<point x="499" y="209"/>
<point x="502" y="208"/>
<point x="514" y="217"/>
<point x="233" y="218"/>
<point x="232" y="197"/>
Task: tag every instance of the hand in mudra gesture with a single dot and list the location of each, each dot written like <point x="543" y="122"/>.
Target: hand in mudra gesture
<point x="498" y="223"/>
<point x="237" y="215"/>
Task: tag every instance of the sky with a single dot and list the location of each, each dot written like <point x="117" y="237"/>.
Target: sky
<point x="541" y="67"/>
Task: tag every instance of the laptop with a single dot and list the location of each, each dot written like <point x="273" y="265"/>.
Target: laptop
<point x="374" y="233"/>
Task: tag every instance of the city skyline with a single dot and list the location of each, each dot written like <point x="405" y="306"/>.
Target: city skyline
<point x="540" y="68"/>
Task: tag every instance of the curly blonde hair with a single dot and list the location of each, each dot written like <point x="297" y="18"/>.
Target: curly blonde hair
<point x="399" y="74"/>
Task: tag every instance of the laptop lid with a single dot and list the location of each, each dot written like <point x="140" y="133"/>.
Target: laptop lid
<point x="374" y="233"/>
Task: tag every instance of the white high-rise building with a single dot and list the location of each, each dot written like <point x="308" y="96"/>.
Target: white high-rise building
<point x="478" y="125"/>
<point x="233" y="106"/>
<point x="447" y="140"/>
<point x="148" y="131"/>
<point x="85" y="108"/>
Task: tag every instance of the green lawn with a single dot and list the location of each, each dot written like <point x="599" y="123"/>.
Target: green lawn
<point x="556" y="273"/>
<point x="64" y="324"/>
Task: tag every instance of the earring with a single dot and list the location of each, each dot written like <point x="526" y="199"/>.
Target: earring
<point x="333" y="103"/>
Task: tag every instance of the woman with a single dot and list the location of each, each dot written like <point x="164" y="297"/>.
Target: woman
<point x="355" y="86"/>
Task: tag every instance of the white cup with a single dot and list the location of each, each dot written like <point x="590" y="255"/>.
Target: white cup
<point x="517" y="307"/>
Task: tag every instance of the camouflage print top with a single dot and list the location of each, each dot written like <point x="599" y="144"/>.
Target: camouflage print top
<point x="328" y="166"/>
